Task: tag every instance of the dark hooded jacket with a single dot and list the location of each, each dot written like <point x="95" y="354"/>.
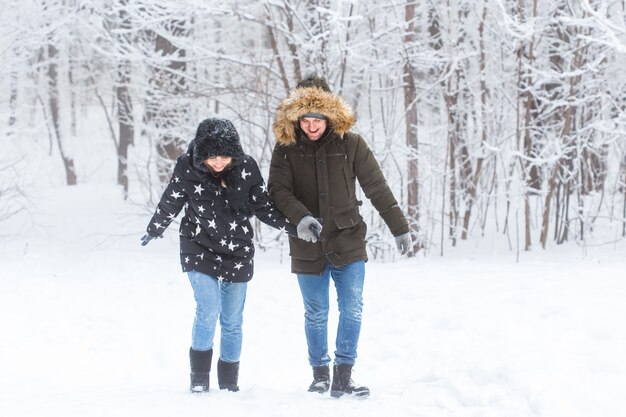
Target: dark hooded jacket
<point x="215" y="231"/>
<point x="320" y="178"/>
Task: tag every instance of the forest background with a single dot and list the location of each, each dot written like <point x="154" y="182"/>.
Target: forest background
<point x="502" y="121"/>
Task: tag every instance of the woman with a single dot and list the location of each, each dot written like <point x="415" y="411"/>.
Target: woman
<point x="220" y="187"/>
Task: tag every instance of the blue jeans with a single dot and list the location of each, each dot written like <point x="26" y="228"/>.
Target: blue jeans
<point x="223" y="300"/>
<point x="348" y="281"/>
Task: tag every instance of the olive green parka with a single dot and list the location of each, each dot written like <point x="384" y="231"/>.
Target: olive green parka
<point x="320" y="178"/>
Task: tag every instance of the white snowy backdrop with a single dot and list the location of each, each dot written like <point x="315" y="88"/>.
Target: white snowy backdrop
<point x="93" y="324"/>
<point x="516" y="189"/>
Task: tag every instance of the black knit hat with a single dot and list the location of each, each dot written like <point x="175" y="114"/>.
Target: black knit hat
<point x="314" y="81"/>
<point x="215" y="137"/>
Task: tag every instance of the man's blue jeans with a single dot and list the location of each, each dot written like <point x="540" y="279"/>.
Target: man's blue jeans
<point x="223" y="300"/>
<point x="348" y="281"/>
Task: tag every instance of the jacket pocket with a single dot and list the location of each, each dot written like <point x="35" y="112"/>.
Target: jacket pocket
<point x="304" y="251"/>
<point x="347" y="217"/>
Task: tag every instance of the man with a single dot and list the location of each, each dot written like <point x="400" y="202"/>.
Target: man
<point x="312" y="176"/>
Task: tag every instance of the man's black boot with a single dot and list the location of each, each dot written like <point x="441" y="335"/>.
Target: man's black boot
<point x="343" y="384"/>
<point x="321" y="379"/>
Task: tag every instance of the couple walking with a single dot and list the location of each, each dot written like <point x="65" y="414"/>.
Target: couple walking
<point x="311" y="195"/>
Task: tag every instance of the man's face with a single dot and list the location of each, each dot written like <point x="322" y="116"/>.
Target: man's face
<point x="313" y="128"/>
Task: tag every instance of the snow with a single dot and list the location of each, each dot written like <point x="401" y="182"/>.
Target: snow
<point x="94" y="324"/>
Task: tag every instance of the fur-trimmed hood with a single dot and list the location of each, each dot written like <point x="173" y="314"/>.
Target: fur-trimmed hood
<point x="340" y="115"/>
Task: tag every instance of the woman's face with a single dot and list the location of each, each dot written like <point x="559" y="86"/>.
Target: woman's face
<point x="218" y="163"/>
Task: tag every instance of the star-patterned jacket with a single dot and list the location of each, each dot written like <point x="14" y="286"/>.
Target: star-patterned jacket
<point x="215" y="232"/>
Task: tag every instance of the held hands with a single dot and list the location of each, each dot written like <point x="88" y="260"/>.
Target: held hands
<point x="147" y="238"/>
<point x="404" y="243"/>
<point x="309" y="229"/>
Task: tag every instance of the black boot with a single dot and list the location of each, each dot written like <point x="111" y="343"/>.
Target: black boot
<point x="343" y="384"/>
<point x="200" y="368"/>
<point x="321" y="379"/>
<point x="227" y="375"/>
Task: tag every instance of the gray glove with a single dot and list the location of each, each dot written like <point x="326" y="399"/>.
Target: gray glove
<point x="309" y="229"/>
<point x="147" y="238"/>
<point x="404" y="243"/>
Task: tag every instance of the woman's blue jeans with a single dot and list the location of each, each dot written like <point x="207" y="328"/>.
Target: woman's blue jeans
<point x="348" y="281"/>
<point x="223" y="300"/>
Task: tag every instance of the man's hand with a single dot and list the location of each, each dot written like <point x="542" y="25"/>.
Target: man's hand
<point x="404" y="243"/>
<point x="309" y="229"/>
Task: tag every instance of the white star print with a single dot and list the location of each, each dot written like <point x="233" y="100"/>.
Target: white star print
<point x="238" y="266"/>
<point x="233" y="225"/>
<point x="212" y="224"/>
<point x="218" y="258"/>
<point x="232" y="246"/>
<point x="198" y="189"/>
<point x="158" y="225"/>
<point x="221" y="278"/>
<point x="176" y="179"/>
<point x="245" y="229"/>
<point x="264" y="187"/>
<point x="244" y="174"/>
<point x="176" y="194"/>
<point x="223" y="242"/>
<point x="201" y="209"/>
<point x="187" y="259"/>
<point x="247" y="248"/>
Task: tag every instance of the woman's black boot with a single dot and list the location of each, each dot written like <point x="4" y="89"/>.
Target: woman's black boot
<point x="200" y="361"/>
<point x="227" y="375"/>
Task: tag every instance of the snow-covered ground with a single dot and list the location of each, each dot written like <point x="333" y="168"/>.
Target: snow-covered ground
<point x="93" y="324"/>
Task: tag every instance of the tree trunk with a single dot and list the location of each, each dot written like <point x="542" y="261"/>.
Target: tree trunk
<point x="125" y="116"/>
<point x="568" y="126"/>
<point x="53" y="94"/>
<point x="13" y="96"/>
<point x="164" y="114"/>
<point x="318" y="31"/>
<point x="475" y="178"/>
<point x="451" y="101"/>
<point x="126" y="134"/>
<point x="529" y="169"/>
<point x="274" y="43"/>
<point x="410" y="120"/>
